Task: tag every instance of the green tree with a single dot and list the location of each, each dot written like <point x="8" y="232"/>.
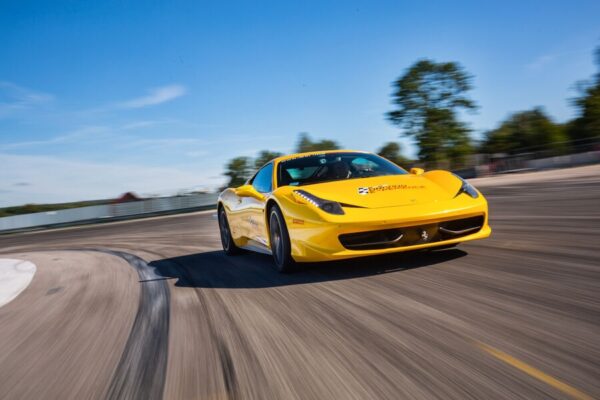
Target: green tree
<point x="426" y="99"/>
<point x="305" y="144"/>
<point x="526" y="131"/>
<point x="587" y="124"/>
<point x="264" y="157"/>
<point x="393" y="152"/>
<point x="238" y="170"/>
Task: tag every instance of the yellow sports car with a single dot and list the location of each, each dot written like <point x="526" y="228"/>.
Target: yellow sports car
<point x="331" y="205"/>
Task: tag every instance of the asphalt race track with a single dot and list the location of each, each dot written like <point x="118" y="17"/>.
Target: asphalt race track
<point x="152" y="309"/>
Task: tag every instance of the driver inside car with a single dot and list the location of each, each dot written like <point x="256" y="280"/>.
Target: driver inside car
<point x="339" y="170"/>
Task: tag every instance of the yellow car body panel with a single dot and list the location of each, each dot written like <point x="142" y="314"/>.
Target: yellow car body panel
<point x="421" y="201"/>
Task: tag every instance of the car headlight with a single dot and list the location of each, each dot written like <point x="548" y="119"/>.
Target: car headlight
<point x="331" y="207"/>
<point x="466" y="188"/>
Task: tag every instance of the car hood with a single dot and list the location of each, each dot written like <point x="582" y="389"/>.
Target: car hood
<point x="381" y="191"/>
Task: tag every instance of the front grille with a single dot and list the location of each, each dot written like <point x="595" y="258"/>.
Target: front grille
<point x="411" y="235"/>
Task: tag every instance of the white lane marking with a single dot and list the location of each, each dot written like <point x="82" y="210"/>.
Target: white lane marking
<point x="15" y="276"/>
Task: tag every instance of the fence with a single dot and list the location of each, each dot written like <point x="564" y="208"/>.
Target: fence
<point x="576" y="152"/>
<point x="108" y="212"/>
<point x="544" y="156"/>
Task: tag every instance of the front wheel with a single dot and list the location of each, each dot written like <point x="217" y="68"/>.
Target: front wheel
<point x="280" y="241"/>
<point x="229" y="246"/>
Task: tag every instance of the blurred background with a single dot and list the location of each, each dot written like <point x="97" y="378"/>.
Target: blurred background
<point x="112" y="102"/>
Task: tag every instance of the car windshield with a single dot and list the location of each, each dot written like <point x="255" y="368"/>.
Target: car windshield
<point x="307" y="170"/>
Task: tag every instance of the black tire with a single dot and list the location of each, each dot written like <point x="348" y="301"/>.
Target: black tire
<point x="229" y="246"/>
<point x="280" y="241"/>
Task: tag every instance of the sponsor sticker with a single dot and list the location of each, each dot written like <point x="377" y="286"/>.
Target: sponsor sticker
<point x="364" y="190"/>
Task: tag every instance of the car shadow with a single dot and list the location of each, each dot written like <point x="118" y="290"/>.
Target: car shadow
<point x="252" y="270"/>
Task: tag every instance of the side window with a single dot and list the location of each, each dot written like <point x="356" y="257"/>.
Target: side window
<point x="263" y="181"/>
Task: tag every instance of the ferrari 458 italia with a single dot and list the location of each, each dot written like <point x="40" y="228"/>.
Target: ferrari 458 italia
<point x="340" y="204"/>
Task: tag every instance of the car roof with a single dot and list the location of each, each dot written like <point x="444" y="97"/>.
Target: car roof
<point x="313" y="153"/>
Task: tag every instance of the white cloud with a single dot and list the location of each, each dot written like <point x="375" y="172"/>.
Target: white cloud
<point x="76" y="135"/>
<point x="14" y="98"/>
<point x="554" y="57"/>
<point x="155" y="96"/>
<point x="163" y="142"/>
<point x="51" y="179"/>
<point x="142" y="124"/>
<point x="196" y="153"/>
<point x="93" y="133"/>
<point x="542" y="61"/>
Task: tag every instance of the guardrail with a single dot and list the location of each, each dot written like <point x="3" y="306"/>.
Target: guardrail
<point x="108" y="212"/>
<point x="524" y="162"/>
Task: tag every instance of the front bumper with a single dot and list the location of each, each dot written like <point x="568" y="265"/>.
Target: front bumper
<point x="320" y="241"/>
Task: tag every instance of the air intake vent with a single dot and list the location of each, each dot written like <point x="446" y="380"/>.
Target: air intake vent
<point x="411" y="235"/>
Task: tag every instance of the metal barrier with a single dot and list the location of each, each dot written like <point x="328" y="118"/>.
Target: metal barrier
<point x="108" y="211"/>
<point x="543" y="156"/>
<point x="570" y="160"/>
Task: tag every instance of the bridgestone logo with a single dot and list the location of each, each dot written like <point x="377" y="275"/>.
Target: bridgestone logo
<point x="382" y="188"/>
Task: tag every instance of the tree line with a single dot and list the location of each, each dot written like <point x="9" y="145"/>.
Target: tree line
<point x="427" y="100"/>
<point x="533" y="130"/>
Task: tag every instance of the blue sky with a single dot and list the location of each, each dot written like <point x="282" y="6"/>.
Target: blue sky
<point x="97" y="98"/>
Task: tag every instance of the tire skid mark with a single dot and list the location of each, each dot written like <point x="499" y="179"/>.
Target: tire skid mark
<point x="228" y="370"/>
<point x="227" y="365"/>
<point x="141" y="371"/>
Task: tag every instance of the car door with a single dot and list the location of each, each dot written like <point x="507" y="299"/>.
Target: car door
<point x="238" y="216"/>
<point x="256" y="220"/>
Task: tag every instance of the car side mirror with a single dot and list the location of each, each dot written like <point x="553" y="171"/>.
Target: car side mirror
<point x="249" y="191"/>
<point x="416" y="171"/>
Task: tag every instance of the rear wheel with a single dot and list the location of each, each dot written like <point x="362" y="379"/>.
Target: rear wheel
<point x="280" y="241"/>
<point x="229" y="246"/>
